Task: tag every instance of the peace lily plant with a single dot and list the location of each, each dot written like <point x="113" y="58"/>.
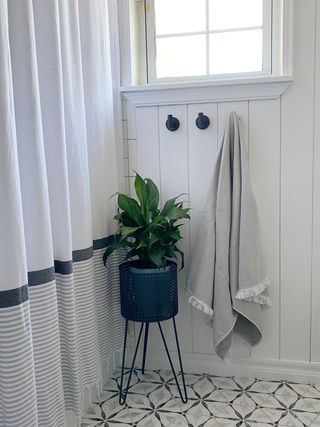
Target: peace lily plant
<point x="149" y="233"/>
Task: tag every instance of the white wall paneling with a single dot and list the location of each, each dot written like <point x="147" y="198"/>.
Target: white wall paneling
<point x="283" y="137"/>
<point x="264" y="163"/>
<point x="296" y="191"/>
<point x="315" y="326"/>
<point x="202" y="155"/>
<point x="148" y="160"/>
<point x="174" y="176"/>
<point x="131" y="132"/>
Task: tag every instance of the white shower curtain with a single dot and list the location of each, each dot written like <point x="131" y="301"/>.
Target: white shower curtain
<point x="59" y="306"/>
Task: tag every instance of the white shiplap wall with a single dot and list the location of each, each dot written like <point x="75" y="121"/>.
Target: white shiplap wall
<point x="283" y="137"/>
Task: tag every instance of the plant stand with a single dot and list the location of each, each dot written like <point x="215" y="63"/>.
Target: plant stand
<point x="149" y="296"/>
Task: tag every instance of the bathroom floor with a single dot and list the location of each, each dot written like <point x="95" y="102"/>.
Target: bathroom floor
<point x="227" y="401"/>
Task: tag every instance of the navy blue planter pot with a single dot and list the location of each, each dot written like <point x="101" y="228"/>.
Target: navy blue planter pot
<point x="149" y="295"/>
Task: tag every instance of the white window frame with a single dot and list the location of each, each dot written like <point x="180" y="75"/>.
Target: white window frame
<point x="151" y="46"/>
<point x="133" y="48"/>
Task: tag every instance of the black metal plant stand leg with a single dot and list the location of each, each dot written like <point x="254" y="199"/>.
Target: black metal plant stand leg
<point x="146" y="333"/>
<point x="123" y="393"/>
<point x="185" y="398"/>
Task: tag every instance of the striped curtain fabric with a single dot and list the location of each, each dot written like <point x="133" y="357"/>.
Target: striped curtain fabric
<point x="59" y="306"/>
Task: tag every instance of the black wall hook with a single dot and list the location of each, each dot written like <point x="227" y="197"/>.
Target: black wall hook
<point x="172" y="123"/>
<point x="202" y="121"/>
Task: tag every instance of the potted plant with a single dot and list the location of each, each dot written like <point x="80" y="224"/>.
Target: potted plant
<point x="148" y="280"/>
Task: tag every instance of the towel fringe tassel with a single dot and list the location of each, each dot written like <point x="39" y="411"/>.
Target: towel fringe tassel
<point x="254" y="294"/>
<point x="200" y="305"/>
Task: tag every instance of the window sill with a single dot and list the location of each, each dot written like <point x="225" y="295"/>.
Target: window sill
<point x="207" y="91"/>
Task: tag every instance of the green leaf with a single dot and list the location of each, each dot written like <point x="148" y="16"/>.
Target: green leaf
<point x="131" y="207"/>
<point x="170" y="204"/>
<point x="149" y="233"/>
<point x="153" y="195"/>
<point x="132" y="253"/>
<point x="170" y="252"/>
<point x="128" y="231"/>
<point x="177" y="212"/>
<point x="140" y="187"/>
<point x="174" y="234"/>
<point x="113" y="247"/>
<point x="181" y="254"/>
<point x="126" y="220"/>
<point x="156" y="254"/>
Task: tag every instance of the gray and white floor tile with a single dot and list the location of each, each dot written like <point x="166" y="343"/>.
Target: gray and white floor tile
<point x="153" y="401"/>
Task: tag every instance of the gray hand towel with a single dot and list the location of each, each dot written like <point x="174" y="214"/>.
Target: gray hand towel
<point x="227" y="278"/>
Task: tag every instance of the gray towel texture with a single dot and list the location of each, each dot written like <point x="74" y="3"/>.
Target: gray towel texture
<point x="227" y="277"/>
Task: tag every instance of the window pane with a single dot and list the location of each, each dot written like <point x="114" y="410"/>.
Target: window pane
<point x="181" y="56"/>
<point x="180" y="16"/>
<point x="236" y="52"/>
<point x="224" y="14"/>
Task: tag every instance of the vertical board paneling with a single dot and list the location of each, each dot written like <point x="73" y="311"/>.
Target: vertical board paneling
<point x="264" y="137"/>
<point x="315" y="326"/>
<point x="147" y="146"/>
<point x="174" y="177"/>
<point x="202" y="156"/>
<point x="131" y="118"/>
<point x="132" y="154"/>
<point x="296" y="191"/>
<point x="284" y="158"/>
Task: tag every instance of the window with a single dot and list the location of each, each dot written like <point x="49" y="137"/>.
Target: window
<point x="183" y="40"/>
<point x="191" y="38"/>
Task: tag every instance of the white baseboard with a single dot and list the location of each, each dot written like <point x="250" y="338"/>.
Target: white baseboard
<point x="260" y="368"/>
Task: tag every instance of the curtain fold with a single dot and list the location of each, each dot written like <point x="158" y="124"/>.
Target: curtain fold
<point x="59" y="307"/>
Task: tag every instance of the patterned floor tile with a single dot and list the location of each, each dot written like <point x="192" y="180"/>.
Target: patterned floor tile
<point x="225" y="383"/>
<point x="138" y="401"/>
<point x="307" y="405"/>
<point x="138" y="415"/>
<point x="190" y="392"/>
<point x="150" y="377"/>
<point x="274" y="415"/>
<point x="244" y="382"/>
<point x="173" y="419"/>
<point x="111" y="424"/>
<point x="243" y="406"/>
<point x="111" y="385"/>
<point x="286" y="395"/>
<point x="306" y="418"/>
<point x="265" y="386"/>
<point x="316" y="422"/>
<point x="290" y="420"/>
<point x="160" y="396"/>
<point x="264" y="400"/>
<point x="204" y="387"/>
<point x="154" y="401"/>
<point x="152" y="420"/>
<point x="222" y="410"/>
<point x="221" y="422"/>
<point x="223" y="395"/>
<point x="259" y="415"/>
<point x="312" y="392"/>
<point x="195" y="420"/>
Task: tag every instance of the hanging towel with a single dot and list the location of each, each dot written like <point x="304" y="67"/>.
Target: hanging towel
<point x="227" y="278"/>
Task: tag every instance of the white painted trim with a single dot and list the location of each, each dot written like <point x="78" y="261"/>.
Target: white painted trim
<point x="207" y="91"/>
<point x="267" y="37"/>
<point x="125" y="42"/>
<point x="264" y="369"/>
<point x="287" y="37"/>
